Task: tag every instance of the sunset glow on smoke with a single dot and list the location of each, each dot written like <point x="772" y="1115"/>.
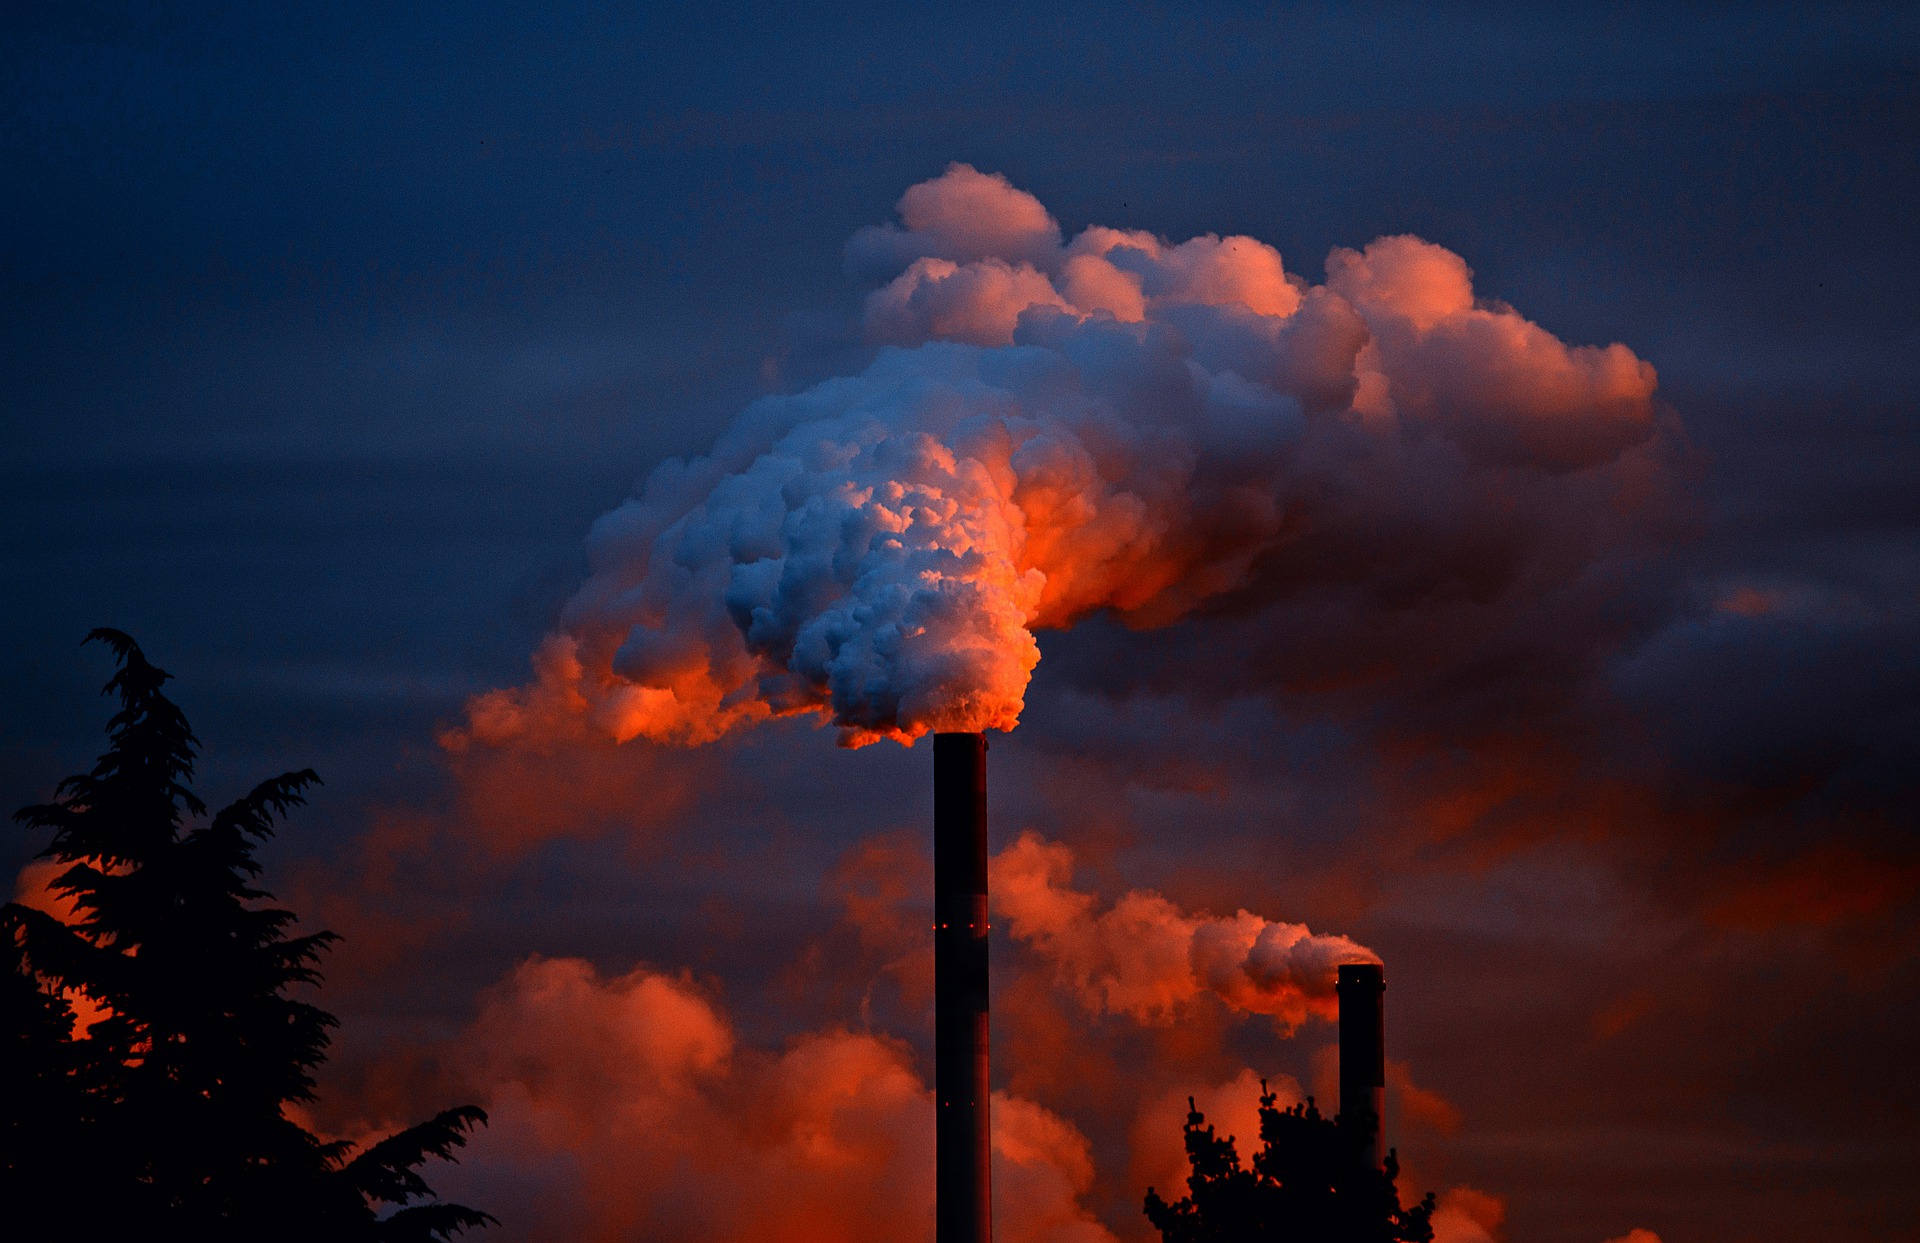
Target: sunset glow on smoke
<point x="1146" y="958"/>
<point x="1052" y="428"/>
<point x="1426" y="488"/>
<point x="631" y="1105"/>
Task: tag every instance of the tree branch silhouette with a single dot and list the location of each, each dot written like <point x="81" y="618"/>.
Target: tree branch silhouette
<point x="168" y="1116"/>
<point x="1309" y="1183"/>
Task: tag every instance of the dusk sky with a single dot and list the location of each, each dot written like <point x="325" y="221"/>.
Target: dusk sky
<point x="1494" y="541"/>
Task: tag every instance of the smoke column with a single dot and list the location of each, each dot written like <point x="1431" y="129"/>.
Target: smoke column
<point x="1362" y="988"/>
<point x="964" y="1193"/>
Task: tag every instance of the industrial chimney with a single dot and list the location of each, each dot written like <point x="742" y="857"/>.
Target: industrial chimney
<point x="1361" y="987"/>
<point x="963" y="1208"/>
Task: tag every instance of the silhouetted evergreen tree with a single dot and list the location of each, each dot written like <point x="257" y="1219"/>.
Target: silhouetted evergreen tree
<point x="1309" y="1183"/>
<point x="168" y="1118"/>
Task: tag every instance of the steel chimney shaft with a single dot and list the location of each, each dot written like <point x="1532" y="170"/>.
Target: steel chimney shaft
<point x="963" y="1187"/>
<point x="1361" y="987"/>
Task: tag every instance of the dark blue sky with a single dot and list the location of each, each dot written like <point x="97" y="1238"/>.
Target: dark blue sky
<point x="325" y="335"/>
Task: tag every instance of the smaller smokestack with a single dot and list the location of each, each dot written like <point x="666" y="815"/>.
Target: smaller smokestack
<point x="1361" y="987"/>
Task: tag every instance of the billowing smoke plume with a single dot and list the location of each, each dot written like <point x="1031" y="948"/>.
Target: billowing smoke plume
<point x="1145" y="958"/>
<point x="1052" y="428"/>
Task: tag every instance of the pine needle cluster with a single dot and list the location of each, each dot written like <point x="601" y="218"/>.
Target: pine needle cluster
<point x="1309" y="1183"/>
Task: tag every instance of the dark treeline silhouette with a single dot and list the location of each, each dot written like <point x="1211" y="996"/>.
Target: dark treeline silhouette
<point x="166" y="1119"/>
<point x="1309" y="1183"/>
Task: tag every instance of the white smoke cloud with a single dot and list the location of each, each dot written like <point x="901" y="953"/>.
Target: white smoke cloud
<point x="1146" y="958"/>
<point x="1052" y="428"/>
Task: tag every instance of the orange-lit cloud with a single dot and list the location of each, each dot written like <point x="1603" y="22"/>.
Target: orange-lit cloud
<point x="936" y="299"/>
<point x="1042" y="1166"/>
<point x="1420" y="1107"/>
<point x="511" y="797"/>
<point x="963" y="216"/>
<point x="1465" y="1215"/>
<point x="1500" y="386"/>
<point x="883" y="886"/>
<point x="1159" y="1158"/>
<point x="629" y="1107"/>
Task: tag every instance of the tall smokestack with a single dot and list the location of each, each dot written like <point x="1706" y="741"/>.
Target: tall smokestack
<point x="1362" y="987"/>
<point x="963" y="1190"/>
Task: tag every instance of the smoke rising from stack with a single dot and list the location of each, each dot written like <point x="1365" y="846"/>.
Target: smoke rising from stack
<point x="1055" y="428"/>
<point x="1146" y="958"/>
